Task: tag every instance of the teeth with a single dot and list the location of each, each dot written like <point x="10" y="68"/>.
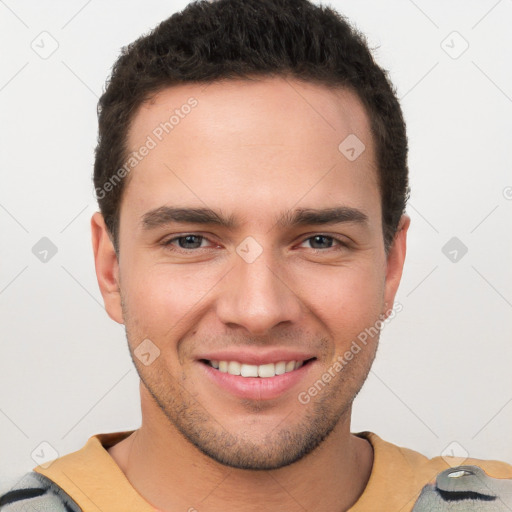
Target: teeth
<point x="252" y="370"/>
<point x="267" y="370"/>
<point x="234" y="368"/>
<point x="248" y="370"/>
<point x="280" y="368"/>
<point x="290" y="366"/>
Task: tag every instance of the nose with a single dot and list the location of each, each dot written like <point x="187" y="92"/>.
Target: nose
<point x="258" y="296"/>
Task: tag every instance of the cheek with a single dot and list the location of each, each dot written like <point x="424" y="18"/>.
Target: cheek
<point x="348" y="300"/>
<point x="163" y="298"/>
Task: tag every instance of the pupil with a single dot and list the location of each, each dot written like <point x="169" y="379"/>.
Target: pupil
<point x="187" y="240"/>
<point x="319" y="238"/>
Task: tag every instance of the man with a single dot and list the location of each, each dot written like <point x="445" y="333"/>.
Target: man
<point x="251" y="173"/>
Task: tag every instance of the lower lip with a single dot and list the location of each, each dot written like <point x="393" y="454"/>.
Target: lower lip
<point x="257" y="388"/>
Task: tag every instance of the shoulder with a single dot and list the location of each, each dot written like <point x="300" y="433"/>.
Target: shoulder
<point x="38" y="492"/>
<point x="423" y="465"/>
<point x="468" y="488"/>
<point x="441" y="483"/>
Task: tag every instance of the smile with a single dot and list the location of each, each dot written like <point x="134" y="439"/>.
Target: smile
<point x="251" y="370"/>
<point x="257" y="381"/>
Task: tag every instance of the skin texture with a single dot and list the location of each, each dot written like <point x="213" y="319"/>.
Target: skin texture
<point x="252" y="150"/>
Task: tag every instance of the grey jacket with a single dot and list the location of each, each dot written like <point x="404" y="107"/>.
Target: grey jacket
<point x="35" y="492"/>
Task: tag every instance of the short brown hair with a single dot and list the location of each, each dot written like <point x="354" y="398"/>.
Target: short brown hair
<point x="237" y="39"/>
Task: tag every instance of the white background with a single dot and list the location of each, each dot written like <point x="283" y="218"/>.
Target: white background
<point x="443" y="369"/>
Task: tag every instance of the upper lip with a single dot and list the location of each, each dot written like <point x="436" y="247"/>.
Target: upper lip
<point x="256" y="357"/>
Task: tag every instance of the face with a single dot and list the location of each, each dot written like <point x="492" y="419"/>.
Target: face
<point x="280" y="271"/>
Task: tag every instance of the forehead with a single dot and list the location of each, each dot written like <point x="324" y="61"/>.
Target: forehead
<point x="305" y="109"/>
<point x="266" y="138"/>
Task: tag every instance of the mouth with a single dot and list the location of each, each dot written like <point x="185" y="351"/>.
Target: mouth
<point x="267" y="381"/>
<point x="263" y="371"/>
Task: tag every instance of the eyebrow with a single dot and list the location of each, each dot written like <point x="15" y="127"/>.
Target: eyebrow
<point x="165" y="215"/>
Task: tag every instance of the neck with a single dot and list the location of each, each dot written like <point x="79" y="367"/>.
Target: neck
<point x="171" y="474"/>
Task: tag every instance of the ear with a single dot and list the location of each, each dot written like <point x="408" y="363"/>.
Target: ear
<point x="395" y="262"/>
<point x="107" y="267"/>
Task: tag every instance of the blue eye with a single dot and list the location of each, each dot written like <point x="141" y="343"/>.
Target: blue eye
<point x="319" y="238"/>
<point x="186" y="241"/>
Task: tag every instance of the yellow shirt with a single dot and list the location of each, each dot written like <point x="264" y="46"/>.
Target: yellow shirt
<point x="94" y="480"/>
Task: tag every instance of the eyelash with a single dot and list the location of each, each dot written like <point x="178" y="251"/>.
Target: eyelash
<point x="168" y="243"/>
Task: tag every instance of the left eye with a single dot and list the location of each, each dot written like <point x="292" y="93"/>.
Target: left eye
<point x="187" y="241"/>
<point x="322" y="240"/>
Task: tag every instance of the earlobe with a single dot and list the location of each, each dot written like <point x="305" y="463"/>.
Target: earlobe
<point x="107" y="267"/>
<point x="395" y="261"/>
